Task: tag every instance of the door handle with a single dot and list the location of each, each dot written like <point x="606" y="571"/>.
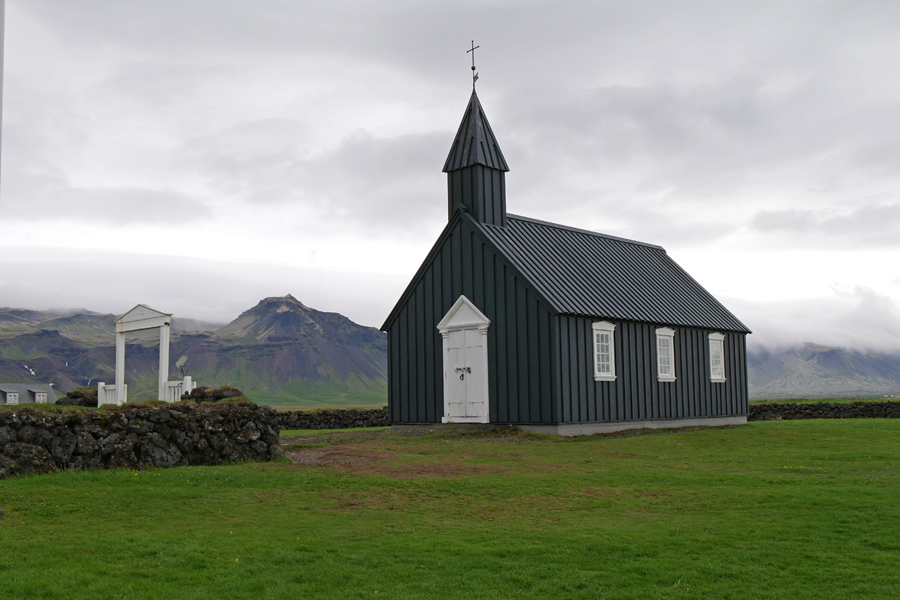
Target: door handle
<point x="462" y="372"/>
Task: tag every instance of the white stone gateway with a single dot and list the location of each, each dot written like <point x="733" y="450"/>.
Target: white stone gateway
<point x="139" y="318"/>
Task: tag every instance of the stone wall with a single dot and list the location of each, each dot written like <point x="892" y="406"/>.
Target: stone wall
<point x="137" y="437"/>
<point x="333" y="419"/>
<point x="347" y="419"/>
<point x="824" y="410"/>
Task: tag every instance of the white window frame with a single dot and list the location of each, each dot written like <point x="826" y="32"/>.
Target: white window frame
<point x="717" y="345"/>
<point x="665" y="337"/>
<point x="599" y="330"/>
<point x="40" y="397"/>
<point x="12" y="398"/>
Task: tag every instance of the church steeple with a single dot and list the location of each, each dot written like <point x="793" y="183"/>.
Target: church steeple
<point x="476" y="169"/>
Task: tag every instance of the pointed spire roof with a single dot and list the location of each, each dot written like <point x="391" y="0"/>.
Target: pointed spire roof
<point x="475" y="143"/>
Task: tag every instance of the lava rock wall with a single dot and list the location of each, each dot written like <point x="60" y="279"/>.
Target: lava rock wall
<point x="333" y="419"/>
<point x="824" y="410"/>
<point x="137" y="437"/>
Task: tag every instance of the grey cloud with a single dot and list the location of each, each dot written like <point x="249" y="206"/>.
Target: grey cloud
<point x="865" y="226"/>
<point x="114" y="282"/>
<point x="690" y="152"/>
<point x="696" y="141"/>
<point x="881" y="157"/>
<point x="248" y="157"/>
<point x="722" y="119"/>
<point x="857" y="318"/>
<point x="37" y="186"/>
<point x="540" y="41"/>
<point x="232" y="30"/>
<point x="874" y="320"/>
<point x="155" y="86"/>
<point x="671" y="120"/>
<point x="128" y="205"/>
<point x="52" y="201"/>
<point x="380" y="186"/>
<point x="650" y="224"/>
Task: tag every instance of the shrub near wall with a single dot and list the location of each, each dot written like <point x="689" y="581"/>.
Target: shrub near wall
<point x="333" y="419"/>
<point x="137" y="437"/>
<point x="824" y="410"/>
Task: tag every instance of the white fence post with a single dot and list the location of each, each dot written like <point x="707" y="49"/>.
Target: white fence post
<point x="176" y="389"/>
<point x="106" y="394"/>
<point x="173" y="391"/>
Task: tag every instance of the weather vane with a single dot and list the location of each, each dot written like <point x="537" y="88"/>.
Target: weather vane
<point x="474" y="74"/>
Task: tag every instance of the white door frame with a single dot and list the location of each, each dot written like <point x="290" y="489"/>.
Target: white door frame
<point x="465" y="316"/>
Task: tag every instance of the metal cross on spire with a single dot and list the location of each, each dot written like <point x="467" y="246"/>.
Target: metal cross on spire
<point x="474" y="74"/>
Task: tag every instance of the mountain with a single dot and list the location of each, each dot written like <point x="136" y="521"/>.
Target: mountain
<point x="280" y="352"/>
<point x="81" y="325"/>
<point x="281" y="346"/>
<point x="816" y="371"/>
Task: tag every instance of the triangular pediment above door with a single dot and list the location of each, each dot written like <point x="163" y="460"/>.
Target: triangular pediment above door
<point x="142" y="317"/>
<point x="141" y="312"/>
<point x="463" y="315"/>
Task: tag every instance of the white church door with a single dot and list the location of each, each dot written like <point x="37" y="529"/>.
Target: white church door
<point x="464" y="330"/>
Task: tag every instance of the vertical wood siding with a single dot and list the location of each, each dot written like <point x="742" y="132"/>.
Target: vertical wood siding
<point x="481" y="190"/>
<point x="636" y="394"/>
<point x="521" y="354"/>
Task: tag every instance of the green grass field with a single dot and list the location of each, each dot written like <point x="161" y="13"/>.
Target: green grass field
<point x="312" y="402"/>
<point x="788" y="509"/>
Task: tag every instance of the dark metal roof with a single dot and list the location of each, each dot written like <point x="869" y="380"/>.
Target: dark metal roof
<point x="590" y="274"/>
<point x="475" y="143"/>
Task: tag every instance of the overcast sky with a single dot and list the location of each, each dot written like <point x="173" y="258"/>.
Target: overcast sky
<point x="199" y="155"/>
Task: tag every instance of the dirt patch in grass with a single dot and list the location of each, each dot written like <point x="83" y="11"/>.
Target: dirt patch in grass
<point x="371" y="458"/>
<point x="443" y="430"/>
<point x="370" y="451"/>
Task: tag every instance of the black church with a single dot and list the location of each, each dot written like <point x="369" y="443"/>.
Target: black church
<point x="512" y="320"/>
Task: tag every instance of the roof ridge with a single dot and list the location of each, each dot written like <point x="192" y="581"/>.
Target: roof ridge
<point x="585" y="231"/>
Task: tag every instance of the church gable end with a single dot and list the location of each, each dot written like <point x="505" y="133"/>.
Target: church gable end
<point x="520" y="352"/>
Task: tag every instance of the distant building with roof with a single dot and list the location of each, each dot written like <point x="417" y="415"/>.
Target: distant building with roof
<point x="27" y="393"/>
<point x="512" y="320"/>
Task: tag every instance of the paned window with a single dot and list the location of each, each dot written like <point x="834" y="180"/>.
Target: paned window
<point x="40" y="397"/>
<point x="665" y="354"/>
<point x="604" y="351"/>
<point x="12" y="398"/>
<point x="716" y="357"/>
